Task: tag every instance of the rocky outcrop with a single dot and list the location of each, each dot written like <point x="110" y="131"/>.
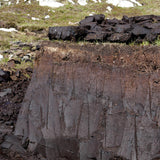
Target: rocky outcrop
<point x="97" y="28"/>
<point x="4" y="76"/>
<point x="88" y="102"/>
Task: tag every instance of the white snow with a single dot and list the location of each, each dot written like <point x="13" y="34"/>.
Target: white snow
<point x="1" y="57"/>
<point x="8" y="29"/>
<point x="35" y="19"/>
<point x="71" y="23"/>
<point x="55" y="4"/>
<point x="47" y="17"/>
<point x="94" y="1"/>
<point x="123" y="3"/>
<point x="109" y="9"/>
<point x="71" y="1"/>
<point x="10" y="56"/>
<point x="82" y="2"/>
<point x="92" y="13"/>
<point x="50" y="3"/>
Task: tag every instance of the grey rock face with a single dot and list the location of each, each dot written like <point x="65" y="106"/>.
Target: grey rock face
<point x="89" y="108"/>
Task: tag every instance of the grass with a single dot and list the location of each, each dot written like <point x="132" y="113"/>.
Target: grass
<point x="24" y="65"/>
<point x="20" y="16"/>
<point x="4" y="61"/>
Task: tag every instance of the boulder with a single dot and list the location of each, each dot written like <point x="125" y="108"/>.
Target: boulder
<point x="4" y="76"/>
<point x="11" y="63"/>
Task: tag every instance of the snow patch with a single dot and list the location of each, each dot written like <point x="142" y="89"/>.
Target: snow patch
<point x="10" y="56"/>
<point x="50" y="3"/>
<point x="71" y="1"/>
<point x="47" y="17"/>
<point x="1" y="57"/>
<point x="82" y="2"/>
<point x="8" y="29"/>
<point x="109" y="9"/>
<point x="55" y="4"/>
<point x="91" y="14"/>
<point x="71" y="23"/>
<point x="124" y="3"/>
<point x="35" y="19"/>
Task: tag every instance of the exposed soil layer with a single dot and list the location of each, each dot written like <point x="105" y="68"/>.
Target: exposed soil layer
<point x="9" y="108"/>
<point x="93" y="102"/>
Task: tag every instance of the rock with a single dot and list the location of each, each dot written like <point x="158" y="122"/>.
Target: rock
<point x="12" y="143"/>
<point x="5" y="92"/>
<point x="28" y="60"/>
<point x="26" y="57"/>
<point x="4" y="76"/>
<point x="13" y="62"/>
<point x="38" y="47"/>
<point x="29" y="70"/>
<point x="18" y="74"/>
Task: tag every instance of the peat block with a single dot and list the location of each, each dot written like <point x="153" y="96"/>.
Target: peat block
<point x="97" y="28"/>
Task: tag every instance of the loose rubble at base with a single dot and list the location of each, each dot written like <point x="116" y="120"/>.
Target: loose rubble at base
<point x="97" y="28"/>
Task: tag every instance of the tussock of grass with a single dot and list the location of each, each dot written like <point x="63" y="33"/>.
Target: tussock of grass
<point x="21" y="13"/>
<point x="24" y="65"/>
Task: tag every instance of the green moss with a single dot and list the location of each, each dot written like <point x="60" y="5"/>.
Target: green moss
<point x="4" y="44"/>
<point x="4" y="61"/>
<point x="24" y="65"/>
<point x="157" y="42"/>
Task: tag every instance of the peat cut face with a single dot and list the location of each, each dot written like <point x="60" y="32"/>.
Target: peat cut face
<point x="90" y="102"/>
